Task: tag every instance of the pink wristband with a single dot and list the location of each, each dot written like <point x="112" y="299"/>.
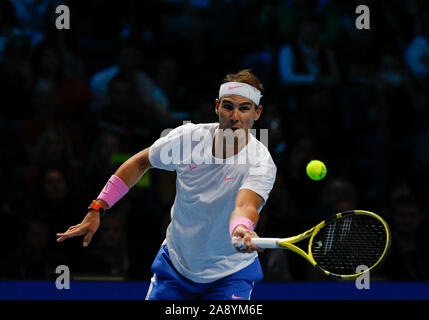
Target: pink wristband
<point x="114" y="190"/>
<point x="240" y="221"/>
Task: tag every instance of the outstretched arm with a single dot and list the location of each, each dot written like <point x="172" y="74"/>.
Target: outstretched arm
<point x="134" y="168"/>
<point x="244" y="217"/>
<point x="129" y="172"/>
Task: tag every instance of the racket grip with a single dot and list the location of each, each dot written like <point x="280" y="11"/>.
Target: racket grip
<point x="269" y="243"/>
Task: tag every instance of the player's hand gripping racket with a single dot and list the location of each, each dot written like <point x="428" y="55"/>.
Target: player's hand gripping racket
<point x="338" y="245"/>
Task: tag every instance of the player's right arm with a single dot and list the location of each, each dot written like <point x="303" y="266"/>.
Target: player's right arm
<point x="134" y="168"/>
<point x="129" y="172"/>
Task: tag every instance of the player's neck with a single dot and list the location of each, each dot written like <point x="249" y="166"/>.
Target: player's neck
<point x="224" y="147"/>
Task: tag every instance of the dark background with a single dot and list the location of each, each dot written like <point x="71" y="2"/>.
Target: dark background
<point x="74" y="104"/>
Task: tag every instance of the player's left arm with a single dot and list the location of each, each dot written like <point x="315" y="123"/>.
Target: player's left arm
<point x="245" y="217"/>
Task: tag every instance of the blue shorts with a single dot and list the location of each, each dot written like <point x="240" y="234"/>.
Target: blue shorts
<point x="168" y="284"/>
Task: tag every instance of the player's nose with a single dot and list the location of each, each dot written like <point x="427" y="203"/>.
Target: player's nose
<point x="234" y="116"/>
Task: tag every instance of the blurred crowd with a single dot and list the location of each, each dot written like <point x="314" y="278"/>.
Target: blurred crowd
<point x="76" y="103"/>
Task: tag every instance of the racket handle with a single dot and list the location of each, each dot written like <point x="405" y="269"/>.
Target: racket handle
<point x="269" y="243"/>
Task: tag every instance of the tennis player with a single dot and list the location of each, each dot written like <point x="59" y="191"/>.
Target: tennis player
<point x="224" y="177"/>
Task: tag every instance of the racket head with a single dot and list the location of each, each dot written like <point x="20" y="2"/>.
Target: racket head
<point x="348" y="240"/>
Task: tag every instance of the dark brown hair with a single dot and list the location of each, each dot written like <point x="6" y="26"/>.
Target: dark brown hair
<point x="246" y="76"/>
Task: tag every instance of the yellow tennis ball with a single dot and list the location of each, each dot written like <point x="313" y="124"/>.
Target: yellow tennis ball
<point x="316" y="170"/>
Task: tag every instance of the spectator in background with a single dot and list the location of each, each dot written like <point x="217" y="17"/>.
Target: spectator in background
<point x="338" y="195"/>
<point x="280" y="218"/>
<point x="34" y="16"/>
<point x="57" y="198"/>
<point x="100" y="165"/>
<point x="113" y="245"/>
<point x="276" y="129"/>
<point x="282" y="17"/>
<point x="306" y="61"/>
<point x="16" y="78"/>
<point x="185" y="26"/>
<point x="33" y="258"/>
<point x="418" y="141"/>
<point x="309" y="76"/>
<point x="394" y="120"/>
<point x="40" y="116"/>
<point x="204" y="112"/>
<point x="169" y="79"/>
<point x="45" y="100"/>
<point x="53" y="151"/>
<point x="44" y="112"/>
<point x="126" y="114"/>
<point x="12" y="202"/>
<point x="9" y="25"/>
<point x="417" y="53"/>
<point x="122" y="108"/>
<point x="400" y="32"/>
<point x="299" y="154"/>
<point x="108" y="258"/>
<point x="407" y="260"/>
<point x="392" y="71"/>
<point x="130" y="59"/>
<point x="279" y="23"/>
<point x="374" y="102"/>
<point x="74" y="96"/>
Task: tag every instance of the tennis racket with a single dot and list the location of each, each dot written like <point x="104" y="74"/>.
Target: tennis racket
<point x="339" y="244"/>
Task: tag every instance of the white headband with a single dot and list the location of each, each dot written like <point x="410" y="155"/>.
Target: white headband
<point x="241" y="89"/>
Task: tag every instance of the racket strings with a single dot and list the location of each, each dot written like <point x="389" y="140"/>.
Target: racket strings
<point x="343" y="245"/>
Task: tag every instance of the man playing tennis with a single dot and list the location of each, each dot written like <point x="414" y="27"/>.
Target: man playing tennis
<point x="222" y="184"/>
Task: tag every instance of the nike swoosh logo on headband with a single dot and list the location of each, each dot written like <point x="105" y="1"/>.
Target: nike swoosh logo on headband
<point x="235" y="87"/>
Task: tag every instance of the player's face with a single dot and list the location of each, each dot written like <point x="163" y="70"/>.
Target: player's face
<point x="237" y="112"/>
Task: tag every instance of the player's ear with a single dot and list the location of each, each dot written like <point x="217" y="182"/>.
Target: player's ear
<point x="258" y="111"/>
<point x="217" y="103"/>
